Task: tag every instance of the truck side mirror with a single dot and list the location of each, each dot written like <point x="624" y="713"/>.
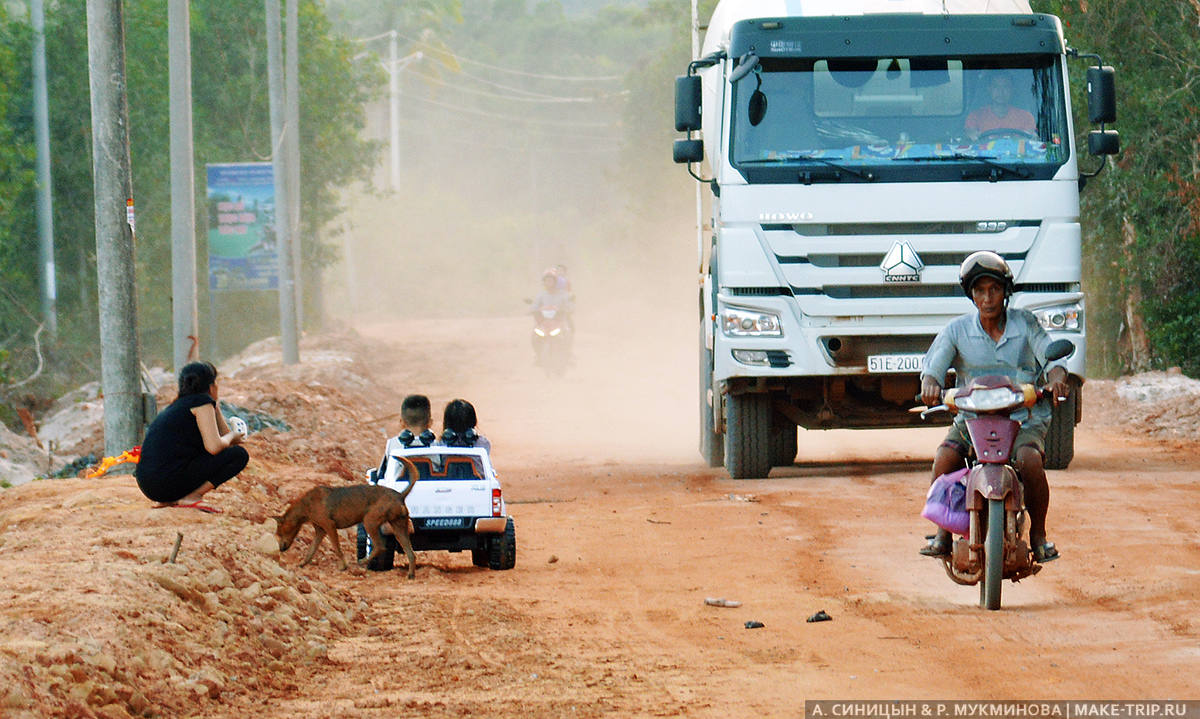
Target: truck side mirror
<point x="688" y="151"/>
<point x="687" y="103"/>
<point x="1104" y="142"/>
<point x="1102" y="94"/>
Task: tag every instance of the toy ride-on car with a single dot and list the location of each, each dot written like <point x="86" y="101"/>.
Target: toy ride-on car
<point x="456" y="505"/>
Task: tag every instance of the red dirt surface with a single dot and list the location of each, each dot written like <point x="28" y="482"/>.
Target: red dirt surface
<point x="622" y="533"/>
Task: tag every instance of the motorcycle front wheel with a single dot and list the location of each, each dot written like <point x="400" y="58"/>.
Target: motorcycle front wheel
<point x="993" y="556"/>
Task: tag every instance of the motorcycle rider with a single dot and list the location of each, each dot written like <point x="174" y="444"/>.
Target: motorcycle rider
<point x="553" y="294"/>
<point x="995" y="339"/>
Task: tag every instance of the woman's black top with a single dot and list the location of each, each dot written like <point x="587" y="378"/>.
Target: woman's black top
<point x="173" y="439"/>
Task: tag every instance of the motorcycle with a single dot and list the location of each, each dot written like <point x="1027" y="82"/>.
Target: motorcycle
<point x="993" y="547"/>
<point x="551" y="340"/>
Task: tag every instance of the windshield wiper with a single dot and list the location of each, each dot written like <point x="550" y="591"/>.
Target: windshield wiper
<point x="807" y="177"/>
<point x="996" y="171"/>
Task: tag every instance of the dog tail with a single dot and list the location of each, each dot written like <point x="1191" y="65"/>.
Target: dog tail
<point x="412" y="473"/>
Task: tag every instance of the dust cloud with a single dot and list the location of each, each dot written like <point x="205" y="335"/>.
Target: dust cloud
<point x="445" y="266"/>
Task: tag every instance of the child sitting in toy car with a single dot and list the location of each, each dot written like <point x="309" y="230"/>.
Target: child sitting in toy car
<point x="458" y="429"/>
<point x="416" y="417"/>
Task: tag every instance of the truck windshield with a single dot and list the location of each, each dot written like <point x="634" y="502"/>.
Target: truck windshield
<point x="900" y="119"/>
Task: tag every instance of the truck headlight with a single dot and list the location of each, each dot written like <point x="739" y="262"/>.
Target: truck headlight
<point x="1059" y="317"/>
<point x="750" y="323"/>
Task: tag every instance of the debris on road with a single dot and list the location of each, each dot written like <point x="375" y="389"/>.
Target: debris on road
<point x="820" y="616"/>
<point x="721" y="602"/>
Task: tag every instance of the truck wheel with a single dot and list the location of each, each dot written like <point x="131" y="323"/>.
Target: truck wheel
<point x="1060" y="435"/>
<point x="747" y="435"/>
<point x="383" y="562"/>
<point x="712" y="447"/>
<point x="502" y="550"/>
<point x="784" y="444"/>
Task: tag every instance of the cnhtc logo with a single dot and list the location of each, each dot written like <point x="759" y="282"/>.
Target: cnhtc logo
<point x="902" y="264"/>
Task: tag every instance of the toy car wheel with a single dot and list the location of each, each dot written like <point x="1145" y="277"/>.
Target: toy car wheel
<point x="381" y="563"/>
<point x="479" y="556"/>
<point x="502" y="550"/>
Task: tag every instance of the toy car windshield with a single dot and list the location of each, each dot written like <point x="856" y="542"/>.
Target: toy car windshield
<point x="442" y="463"/>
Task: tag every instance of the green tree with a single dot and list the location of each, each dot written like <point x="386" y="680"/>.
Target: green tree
<point x="231" y="123"/>
<point x="1141" y="238"/>
<point x="19" y="278"/>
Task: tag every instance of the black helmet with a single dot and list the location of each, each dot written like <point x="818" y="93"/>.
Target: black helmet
<point x="985" y="264"/>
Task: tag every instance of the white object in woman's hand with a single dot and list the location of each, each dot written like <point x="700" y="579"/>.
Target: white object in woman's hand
<point x="237" y="424"/>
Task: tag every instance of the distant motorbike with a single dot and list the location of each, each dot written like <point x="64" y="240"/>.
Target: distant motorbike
<point x="993" y="548"/>
<point x="551" y="340"/>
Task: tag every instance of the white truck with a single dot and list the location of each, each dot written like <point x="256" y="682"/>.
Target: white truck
<point x="855" y="153"/>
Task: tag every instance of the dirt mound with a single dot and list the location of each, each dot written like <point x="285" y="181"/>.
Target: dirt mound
<point x="97" y="623"/>
<point x="1164" y="405"/>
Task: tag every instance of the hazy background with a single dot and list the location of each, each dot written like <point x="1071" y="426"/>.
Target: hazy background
<point x="523" y="145"/>
<point x="533" y="135"/>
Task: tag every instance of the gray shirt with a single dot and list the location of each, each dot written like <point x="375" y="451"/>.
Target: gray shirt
<point x="964" y="345"/>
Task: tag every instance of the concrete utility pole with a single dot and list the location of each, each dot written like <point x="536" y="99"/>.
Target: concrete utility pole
<point x="185" y="314"/>
<point x="292" y="93"/>
<point x="45" y="195"/>
<point x="283" y="233"/>
<point x="113" y="186"/>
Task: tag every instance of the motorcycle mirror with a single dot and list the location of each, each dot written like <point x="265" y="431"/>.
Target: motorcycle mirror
<point x="1059" y="349"/>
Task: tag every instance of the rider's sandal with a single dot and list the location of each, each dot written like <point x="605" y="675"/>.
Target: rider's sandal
<point x="936" y="548"/>
<point x="1045" y="552"/>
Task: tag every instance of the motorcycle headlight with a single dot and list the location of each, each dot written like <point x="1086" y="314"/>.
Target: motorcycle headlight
<point x="750" y="323"/>
<point x="1059" y="317"/>
<point x="983" y="400"/>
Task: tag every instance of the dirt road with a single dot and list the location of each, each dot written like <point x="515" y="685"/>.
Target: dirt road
<point x="622" y="534"/>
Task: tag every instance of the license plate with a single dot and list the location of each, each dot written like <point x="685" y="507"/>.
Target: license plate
<point x="442" y="523"/>
<point x="878" y="364"/>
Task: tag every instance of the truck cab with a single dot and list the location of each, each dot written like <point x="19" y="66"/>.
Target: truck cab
<point x="854" y="159"/>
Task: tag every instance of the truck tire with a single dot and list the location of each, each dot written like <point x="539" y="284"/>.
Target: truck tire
<point x="384" y="561"/>
<point x="712" y="447"/>
<point x="747" y="435"/>
<point x="784" y="444"/>
<point x="502" y="550"/>
<point x="1060" y="435"/>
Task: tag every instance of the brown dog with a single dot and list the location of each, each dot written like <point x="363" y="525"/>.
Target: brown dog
<point x="333" y="508"/>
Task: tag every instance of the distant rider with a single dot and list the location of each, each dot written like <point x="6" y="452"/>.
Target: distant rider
<point x="555" y="293"/>
<point x="995" y="340"/>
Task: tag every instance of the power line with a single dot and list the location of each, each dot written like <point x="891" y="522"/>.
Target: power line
<point x="497" y="68"/>
<point x="484" y="113"/>
<point x="533" y="132"/>
<point x="548" y="99"/>
<point x="423" y="131"/>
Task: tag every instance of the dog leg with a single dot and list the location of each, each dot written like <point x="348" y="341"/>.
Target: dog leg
<point x="401" y="534"/>
<point x="312" y="551"/>
<point x="337" y="548"/>
<point x="378" y="541"/>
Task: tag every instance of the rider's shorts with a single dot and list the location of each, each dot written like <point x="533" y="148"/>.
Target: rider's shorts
<point x="958" y="440"/>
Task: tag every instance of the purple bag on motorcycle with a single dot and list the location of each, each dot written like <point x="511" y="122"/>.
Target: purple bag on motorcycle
<point x="946" y="503"/>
